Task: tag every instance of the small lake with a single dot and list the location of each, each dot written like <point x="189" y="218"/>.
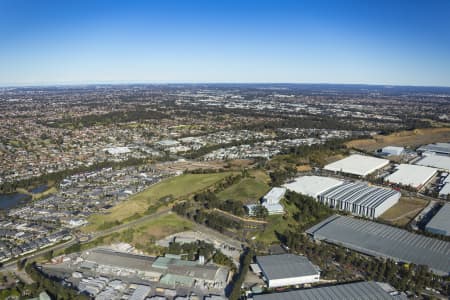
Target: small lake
<point x="8" y="201"/>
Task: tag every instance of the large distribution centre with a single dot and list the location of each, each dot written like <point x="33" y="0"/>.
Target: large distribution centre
<point x="440" y="148"/>
<point x="287" y="269"/>
<point x="359" y="165"/>
<point x="348" y="291"/>
<point x="384" y="241"/>
<point x="440" y="223"/>
<point x="441" y="162"/>
<point x="411" y="175"/>
<point x="358" y="198"/>
<point x="312" y="186"/>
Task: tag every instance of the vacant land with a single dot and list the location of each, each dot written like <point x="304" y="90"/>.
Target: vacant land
<point x="161" y="227"/>
<point x="247" y="190"/>
<point x="170" y="189"/>
<point x="404" y="211"/>
<point x="413" y="138"/>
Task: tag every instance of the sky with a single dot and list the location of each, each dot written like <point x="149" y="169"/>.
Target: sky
<point x="393" y="42"/>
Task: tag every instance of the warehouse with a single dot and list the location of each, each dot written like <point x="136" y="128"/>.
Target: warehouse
<point x="287" y="269"/>
<point x="312" y="186"/>
<point x="168" y="270"/>
<point x="358" y="165"/>
<point x="392" y="150"/>
<point x="274" y="195"/>
<point x="357" y="198"/>
<point x="445" y="191"/>
<point x="441" y="162"/>
<point x="271" y="201"/>
<point x="117" y="150"/>
<point x="438" y="148"/>
<point x="440" y="223"/>
<point x="360" y="199"/>
<point x="411" y="175"/>
<point x="384" y="241"/>
<point x="348" y="291"/>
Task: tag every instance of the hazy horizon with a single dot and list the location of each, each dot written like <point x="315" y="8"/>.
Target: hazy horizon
<point x="404" y="43"/>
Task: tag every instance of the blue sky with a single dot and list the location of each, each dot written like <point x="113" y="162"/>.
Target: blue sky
<point x="361" y="41"/>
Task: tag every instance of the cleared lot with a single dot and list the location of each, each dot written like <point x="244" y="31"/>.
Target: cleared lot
<point x="404" y="211"/>
<point x="404" y="138"/>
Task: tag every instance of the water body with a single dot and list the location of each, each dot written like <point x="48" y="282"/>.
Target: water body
<point x="39" y="189"/>
<point x="8" y="201"/>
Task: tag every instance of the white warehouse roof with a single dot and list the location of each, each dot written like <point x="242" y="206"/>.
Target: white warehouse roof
<point x="411" y="175"/>
<point x="440" y="162"/>
<point x="392" y="150"/>
<point x="274" y="195"/>
<point x="356" y="164"/>
<point x="445" y="190"/>
<point x="117" y="150"/>
<point x="312" y="186"/>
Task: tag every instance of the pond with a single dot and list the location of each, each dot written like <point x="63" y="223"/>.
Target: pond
<point x="8" y="201"/>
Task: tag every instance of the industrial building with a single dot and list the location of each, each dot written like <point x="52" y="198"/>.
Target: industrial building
<point x="359" y="165"/>
<point x="287" y="269"/>
<point x="347" y="291"/>
<point x="411" y="175"/>
<point x="271" y="201"/>
<point x="438" y="148"/>
<point x="445" y="191"/>
<point x="274" y="195"/>
<point x="117" y="150"/>
<point x="360" y="199"/>
<point x="384" y="241"/>
<point x="441" y="162"/>
<point x="392" y="150"/>
<point x="440" y="223"/>
<point x="169" y="271"/>
<point x="312" y="186"/>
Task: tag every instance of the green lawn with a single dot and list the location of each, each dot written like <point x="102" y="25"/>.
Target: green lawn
<point x="247" y="190"/>
<point x="161" y="227"/>
<point x="176" y="187"/>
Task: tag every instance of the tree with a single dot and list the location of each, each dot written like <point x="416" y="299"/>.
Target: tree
<point x="260" y="211"/>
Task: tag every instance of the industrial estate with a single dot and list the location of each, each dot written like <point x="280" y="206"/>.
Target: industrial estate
<point x="224" y="192"/>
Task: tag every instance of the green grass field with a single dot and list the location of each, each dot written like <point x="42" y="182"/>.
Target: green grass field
<point x="161" y="227"/>
<point x="247" y="190"/>
<point x="175" y="187"/>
